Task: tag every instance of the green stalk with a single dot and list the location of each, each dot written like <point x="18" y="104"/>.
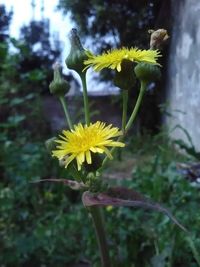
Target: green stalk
<point x="130" y="121"/>
<point x="85" y="98"/>
<point x="100" y="235"/>
<point x="124" y="111"/>
<point x="194" y="250"/>
<point x="137" y="105"/>
<point x="62" y="100"/>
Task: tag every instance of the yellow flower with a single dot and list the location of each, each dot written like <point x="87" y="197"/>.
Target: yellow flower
<point x="83" y="140"/>
<point x="113" y="58"/>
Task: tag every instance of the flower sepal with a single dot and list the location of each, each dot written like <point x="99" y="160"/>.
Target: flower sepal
<point x="50" y="144"/>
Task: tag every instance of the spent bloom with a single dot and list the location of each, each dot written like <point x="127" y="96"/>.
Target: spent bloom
<point x="84" y="140"/>
<point x="158" y="38"/>
<point x="113" y="58"/>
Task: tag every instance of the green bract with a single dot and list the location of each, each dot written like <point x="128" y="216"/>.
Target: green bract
<point x="125" y="79"/>
<point x="146" y="72"/>
<point x="77" y="54"/>
<point x="50" y="144"/>
<point x="58" y="86"/>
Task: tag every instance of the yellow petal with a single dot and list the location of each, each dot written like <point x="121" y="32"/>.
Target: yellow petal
<point x="88" y="157"/>
<point x="78" y="164"/>
<point x="119" y="67"/>
<point x="69" y="159"/>
<point x="81" y="158"/>
<point x="119" y="144"/>
<point x="58" y="153"/>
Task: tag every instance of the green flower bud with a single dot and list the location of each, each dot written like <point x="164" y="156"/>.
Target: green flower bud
<point x="146" y="72"/>
<point x="77" y="55"/>
<point x="50" y="144"/>
<point x="95" y="184"/>
<point x="58" y="86"/>
<point x="125" y="79"/>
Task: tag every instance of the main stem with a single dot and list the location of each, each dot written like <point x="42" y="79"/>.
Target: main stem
<point x="85" y="98"/>
<point x="100" y="235"/>
<point x="62" y="100"/>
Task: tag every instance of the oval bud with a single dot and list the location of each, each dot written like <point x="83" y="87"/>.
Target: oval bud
<point x="146" y="72"/>
<point x="77" y="54"/>
<point x="58" y="86"/>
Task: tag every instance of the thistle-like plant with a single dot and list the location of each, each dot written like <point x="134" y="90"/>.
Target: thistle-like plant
<point x="86" y="148"/>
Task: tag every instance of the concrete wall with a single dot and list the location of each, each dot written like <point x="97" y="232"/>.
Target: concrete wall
<point x="184" y="70"/>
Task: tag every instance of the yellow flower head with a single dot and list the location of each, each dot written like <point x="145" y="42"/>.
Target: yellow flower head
<point x="112" y="59"/>
<point x="80" y="142"/>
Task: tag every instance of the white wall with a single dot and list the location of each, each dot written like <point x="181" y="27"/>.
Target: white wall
<point x="184" y="70"/>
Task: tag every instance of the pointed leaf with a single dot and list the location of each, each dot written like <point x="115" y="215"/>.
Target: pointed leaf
<point x="121" y="196"/>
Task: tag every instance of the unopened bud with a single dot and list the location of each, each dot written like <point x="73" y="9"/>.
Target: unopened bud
<point x="58" y="86"/>
<point x="77" y="53"/>
<point x="147" y="72"/>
